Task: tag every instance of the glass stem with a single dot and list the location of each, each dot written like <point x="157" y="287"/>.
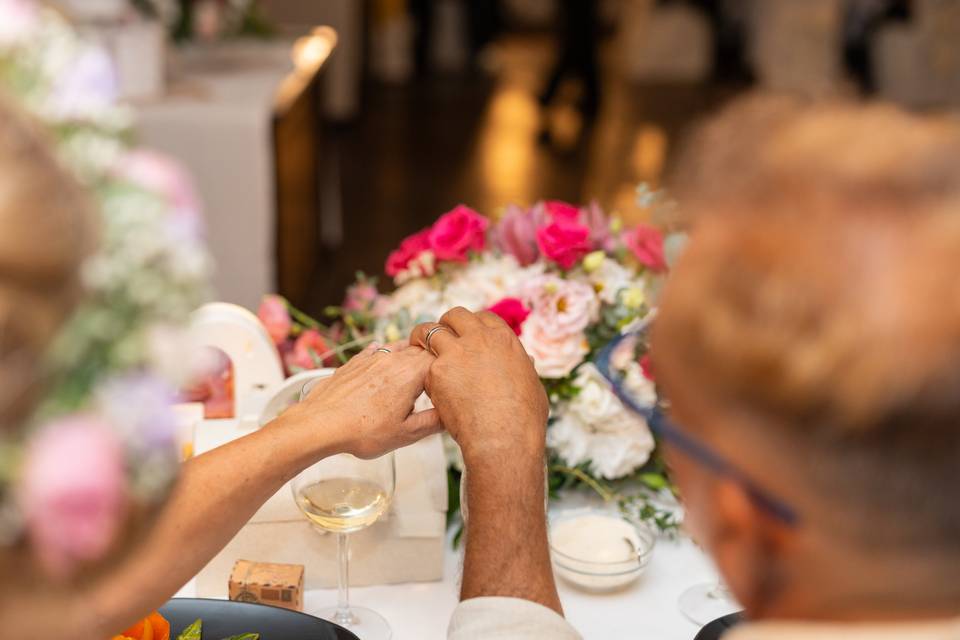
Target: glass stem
<point x="344" y="616"/>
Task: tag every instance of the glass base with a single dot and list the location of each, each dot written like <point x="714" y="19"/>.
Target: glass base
<point x="704" y="603"/>
<point x="366" y="624"/>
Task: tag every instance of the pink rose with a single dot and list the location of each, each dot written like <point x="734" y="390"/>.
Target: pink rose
<point x="516" y="234"/>
<point x="561" y="212"/>
<point x="513" y="311"/>
<point x="562" y="306"/>
<point x="307" y="351"/>
<point x="409" y="250"/>
<point x="554" y="355"/>
<point x="646" y="243"/>
<point x="72" y="492"/>
<point x="457" y="233"/>
<point x="275" y="316"/>
<point x="564" y="242"/>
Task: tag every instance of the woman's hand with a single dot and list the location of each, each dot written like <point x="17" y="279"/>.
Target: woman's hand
<point x="366" y="407"/>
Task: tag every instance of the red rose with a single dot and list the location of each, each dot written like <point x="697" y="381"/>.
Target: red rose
<point x="409" y="249"/>
<point x="647" y="367"/>
<point x="646" y="243"/>
<point x="512" y="311"/>
<point x="564" y="243"/>
<point x="457" y="233"/>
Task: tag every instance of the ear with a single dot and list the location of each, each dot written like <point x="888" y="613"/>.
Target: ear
<point x="748" y="545"/>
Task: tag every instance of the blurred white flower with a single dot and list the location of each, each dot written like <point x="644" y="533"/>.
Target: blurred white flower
<point x="608" y="278"/>
<point x="484" y="282"/>
<point x="18" y="21"/>
<point x="595" y="427"/>
<point x="422" y="299"/>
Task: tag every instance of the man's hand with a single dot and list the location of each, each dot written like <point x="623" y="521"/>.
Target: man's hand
<point x="484" y="386"/>
<point x="491" y="401"/>
<point x="367" y="405"/>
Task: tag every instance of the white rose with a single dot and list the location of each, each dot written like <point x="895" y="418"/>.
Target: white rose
<point x="610" y="455"/>
<point x="596" y="427"/>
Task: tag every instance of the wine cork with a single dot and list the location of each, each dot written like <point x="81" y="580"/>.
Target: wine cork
<point x="279" y="585"/>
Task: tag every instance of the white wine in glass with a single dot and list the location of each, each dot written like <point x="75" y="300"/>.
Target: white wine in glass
<point x="342" y="494"/>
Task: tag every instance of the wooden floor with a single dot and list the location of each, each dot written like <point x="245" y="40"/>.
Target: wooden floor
<point x="419" y="149"/>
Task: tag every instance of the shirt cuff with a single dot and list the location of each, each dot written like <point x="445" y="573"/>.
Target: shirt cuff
<point x="507" y="619"/>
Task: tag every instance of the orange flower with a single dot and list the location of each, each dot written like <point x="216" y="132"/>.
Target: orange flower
<point x="153" y="627"/>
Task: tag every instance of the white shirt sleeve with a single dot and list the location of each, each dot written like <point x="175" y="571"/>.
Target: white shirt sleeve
<point x="507" y="619"/>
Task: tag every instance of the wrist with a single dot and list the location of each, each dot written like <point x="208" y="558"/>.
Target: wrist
<point x="309" y="434"/>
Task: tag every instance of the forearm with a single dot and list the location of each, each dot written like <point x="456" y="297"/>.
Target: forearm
<point x="507" y="552"/>
<point x="216" y="495"/>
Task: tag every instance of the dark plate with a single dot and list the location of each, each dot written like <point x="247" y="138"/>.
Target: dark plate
<point x="718" y="627"/>
<point x="224" y="618"/>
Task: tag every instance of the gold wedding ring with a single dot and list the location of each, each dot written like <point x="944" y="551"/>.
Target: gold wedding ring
<point x="383" y="350"/>
<point x="429" y="335"/>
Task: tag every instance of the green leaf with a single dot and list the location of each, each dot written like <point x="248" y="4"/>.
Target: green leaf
<point x="193" y="632"/>
<point x="655" y="481"/>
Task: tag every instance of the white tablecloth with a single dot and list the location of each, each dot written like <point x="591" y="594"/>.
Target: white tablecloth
<point x="645" y="610"/>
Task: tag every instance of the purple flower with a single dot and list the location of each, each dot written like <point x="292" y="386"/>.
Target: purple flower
<point x="516" y="233"/>
<point x="72" y="492"/>
<point x="598" y="222"/>
<point x="87" y="87"/>
<point x="141" y="406"/>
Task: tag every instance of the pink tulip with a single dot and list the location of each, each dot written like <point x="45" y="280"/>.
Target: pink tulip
<point x="275" y="316"/>
<point x="307" y="351"/>
<point x="72" y="492"/>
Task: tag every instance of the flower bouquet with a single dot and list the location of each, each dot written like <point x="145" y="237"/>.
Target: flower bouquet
<point x="567" y="279"/>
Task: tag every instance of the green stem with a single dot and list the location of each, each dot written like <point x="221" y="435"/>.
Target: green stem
<point x="303" y="318"/>
<point x="607" y="494"/>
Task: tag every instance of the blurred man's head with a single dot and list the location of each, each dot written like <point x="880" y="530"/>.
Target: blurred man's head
<point x="811" y="335"/>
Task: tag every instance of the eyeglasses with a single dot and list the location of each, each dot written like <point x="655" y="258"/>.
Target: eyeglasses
<point x="661" y="426"/>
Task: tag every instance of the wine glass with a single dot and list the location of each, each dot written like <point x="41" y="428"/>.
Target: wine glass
<point x="704" y="603"/>
<point x="342" y="494"/>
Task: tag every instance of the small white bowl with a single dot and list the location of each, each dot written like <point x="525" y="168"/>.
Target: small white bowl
<point x="598" y="550"/>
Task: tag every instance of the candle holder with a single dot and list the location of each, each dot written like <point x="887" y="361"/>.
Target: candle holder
<point x="598" y="550"/>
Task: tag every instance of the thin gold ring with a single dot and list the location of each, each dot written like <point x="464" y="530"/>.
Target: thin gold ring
<point x="429" y="335"/>
<point x="383" y="350"/>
